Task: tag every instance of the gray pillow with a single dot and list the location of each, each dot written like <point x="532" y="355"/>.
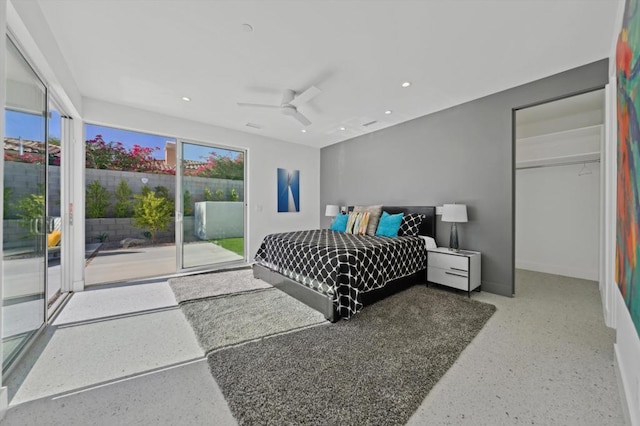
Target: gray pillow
<point x="374" y="217"/>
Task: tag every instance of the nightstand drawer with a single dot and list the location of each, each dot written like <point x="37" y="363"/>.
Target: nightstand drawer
<point x="448" y="261"/>
<point x="449" y="278"/>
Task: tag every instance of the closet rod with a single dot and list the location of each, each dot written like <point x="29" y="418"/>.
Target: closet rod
<point x="568" y="163"/>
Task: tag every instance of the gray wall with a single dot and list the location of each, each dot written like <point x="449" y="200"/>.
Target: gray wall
<point x="463" y="154"/>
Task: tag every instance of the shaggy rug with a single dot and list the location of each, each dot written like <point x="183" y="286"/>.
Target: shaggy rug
<point x="237" y="318"/>
<point x="374" y="369"/>
<point x="215" y="284"/>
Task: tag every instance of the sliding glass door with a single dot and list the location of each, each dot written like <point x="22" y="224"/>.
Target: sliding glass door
<point x="53" y="222"/>
<point x="25" y="197"/>
<point x="211" y="206"/>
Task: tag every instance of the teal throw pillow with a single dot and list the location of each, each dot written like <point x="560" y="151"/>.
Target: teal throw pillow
<point x="389" y="225"/>
<point x="340" y="223"/>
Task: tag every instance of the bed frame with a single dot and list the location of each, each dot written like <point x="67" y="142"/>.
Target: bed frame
<point x="324" y="303"/>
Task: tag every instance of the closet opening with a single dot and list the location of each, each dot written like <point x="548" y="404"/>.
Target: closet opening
<point x="559" y="189"/>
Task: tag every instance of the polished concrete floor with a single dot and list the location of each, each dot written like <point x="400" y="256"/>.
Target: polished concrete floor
<point x="125" y="355"/>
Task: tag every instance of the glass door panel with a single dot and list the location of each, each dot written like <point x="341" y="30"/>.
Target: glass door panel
<point x="24" y="238"/>
<point x="211" y="209"/>
<point x="129" y="205"/>
<point x="54" y="216"/>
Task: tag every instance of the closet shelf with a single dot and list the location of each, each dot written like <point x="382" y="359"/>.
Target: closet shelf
<point x="589" y="157"/>
<point x="588" y="130"/>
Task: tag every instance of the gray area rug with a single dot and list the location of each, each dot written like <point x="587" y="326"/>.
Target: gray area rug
<point x="215" y="284"/>
<point x="224" y="321"/>
<point x="374" y="369"/>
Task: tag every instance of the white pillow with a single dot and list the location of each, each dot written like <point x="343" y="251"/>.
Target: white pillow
<point x="429" y="242"/>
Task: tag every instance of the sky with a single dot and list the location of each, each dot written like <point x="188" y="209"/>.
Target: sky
<point x="31" y="127"/>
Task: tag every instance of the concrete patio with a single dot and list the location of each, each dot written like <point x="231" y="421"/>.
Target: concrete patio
<point x="142" y="262"/>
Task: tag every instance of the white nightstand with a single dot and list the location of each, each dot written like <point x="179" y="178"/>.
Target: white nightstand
<point x="461" y="270"/>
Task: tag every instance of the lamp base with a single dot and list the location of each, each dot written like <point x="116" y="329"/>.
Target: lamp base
<point x="453" y="239"/>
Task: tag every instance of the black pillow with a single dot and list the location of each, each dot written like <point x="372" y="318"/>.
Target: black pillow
<point x="410" y="225"/>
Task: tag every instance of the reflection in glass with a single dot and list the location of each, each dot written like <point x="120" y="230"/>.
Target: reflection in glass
<point x="24" y="238"/>
<point x="212" y="205"/>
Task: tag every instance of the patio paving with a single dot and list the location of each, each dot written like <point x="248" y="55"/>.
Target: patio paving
<point x="142" y="262"/>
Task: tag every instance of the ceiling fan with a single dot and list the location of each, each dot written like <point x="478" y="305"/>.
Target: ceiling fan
<point x="290" y="103"/>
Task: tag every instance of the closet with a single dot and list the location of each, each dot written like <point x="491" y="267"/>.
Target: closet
<point x="558" y="186"/>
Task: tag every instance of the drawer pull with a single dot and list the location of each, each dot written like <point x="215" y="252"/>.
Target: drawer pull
<point x="458" y="269"/>
<point x="457" y="275"/>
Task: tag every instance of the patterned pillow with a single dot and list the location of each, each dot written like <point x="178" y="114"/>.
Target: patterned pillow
<point x="357" y="223"/>
<point x="410" y="225"/>
<point x="374" y="216"/>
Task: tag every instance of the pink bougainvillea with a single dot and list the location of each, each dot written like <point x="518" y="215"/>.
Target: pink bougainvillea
<point x="115" y="156"/>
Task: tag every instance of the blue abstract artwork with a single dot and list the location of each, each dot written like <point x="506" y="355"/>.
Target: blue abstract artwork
<point x="288" y="190"/>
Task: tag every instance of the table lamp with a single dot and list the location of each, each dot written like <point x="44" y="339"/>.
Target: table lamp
<point x="454" y="213"/>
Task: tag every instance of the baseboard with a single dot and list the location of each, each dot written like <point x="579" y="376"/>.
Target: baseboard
<point x="565" y="271"/>
<point x="4" y="401"/>
<point x="623" y="387"/>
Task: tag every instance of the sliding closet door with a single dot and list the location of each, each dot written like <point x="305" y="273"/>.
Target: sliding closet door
<point x="24" y="239"/>
<point x="211" y="208"/>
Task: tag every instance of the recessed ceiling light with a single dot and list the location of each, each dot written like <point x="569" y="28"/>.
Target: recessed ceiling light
<point x="303" y="131"/>
<point x="186" y="98"/>
<point x="388" y="112"/>
<point x="406" y="84"/>
<point x="247" y="28"/>
<point x="343" y="128"/>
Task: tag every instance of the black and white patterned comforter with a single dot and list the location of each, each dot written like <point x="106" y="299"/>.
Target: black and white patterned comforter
<point x="340" y="265"/>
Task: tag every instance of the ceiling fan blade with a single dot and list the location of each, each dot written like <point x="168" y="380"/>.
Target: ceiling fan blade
<point x="301" y="118"/>
<point x="244" y="104"/>
<point x="305" y="96"/>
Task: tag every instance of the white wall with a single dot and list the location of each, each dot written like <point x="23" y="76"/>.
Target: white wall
<point x="558" y="211"/>
<point x="264" y="157"/>
<point x="557" y="217"/>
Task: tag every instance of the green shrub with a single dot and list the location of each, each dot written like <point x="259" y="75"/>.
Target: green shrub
<point x="219" y="195"/>
<point x="187" y="203"/>
<point x="153" y="211"/>
<point x="102" y="237"/>
<point x="29" y="208"/>
<point x="97" y="200"/>
<point x="233" y="196"/>
<point x="123" y="200"/>
<point x="162" y="191"/>
<point x="6" y="213"/>
<point x="208" y="195"/>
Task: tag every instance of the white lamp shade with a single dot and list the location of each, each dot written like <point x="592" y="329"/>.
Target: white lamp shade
<point x="331" y="210"/>
<point x="454" y="213"/>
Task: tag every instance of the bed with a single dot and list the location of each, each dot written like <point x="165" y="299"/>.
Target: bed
<point x="332" y="271"/>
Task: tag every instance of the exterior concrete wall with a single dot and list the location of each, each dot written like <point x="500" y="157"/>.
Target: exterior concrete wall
<point x="215" y="219"/>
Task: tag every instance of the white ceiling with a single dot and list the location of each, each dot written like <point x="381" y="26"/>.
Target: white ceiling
<point x="149" y="54"/>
